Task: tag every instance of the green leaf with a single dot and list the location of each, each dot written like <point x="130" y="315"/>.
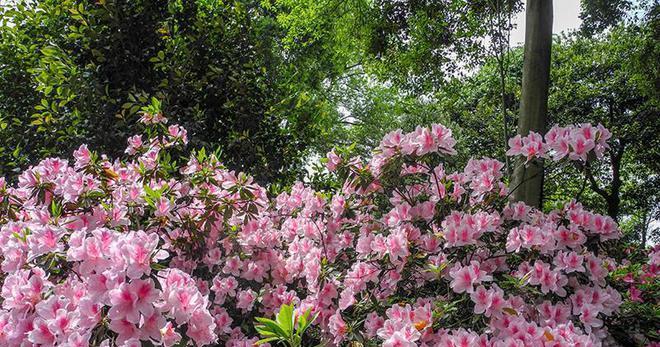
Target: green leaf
<point x="302" y="322"/>
<point x="266" y="340"/>
<point x="309" y="322"/>
<point x="55" y="209"/>
<point x="153" y="194"/>
<point x="19" y="237"/>
<point x="158" y="267"/>
<point x="16" y="152"/>
<point x="272" y="326"/>
<point x="49" y="51"/>
<point x="285" y="319"/>
<point x="246" y="194"/>
<point x="264" y="331"/>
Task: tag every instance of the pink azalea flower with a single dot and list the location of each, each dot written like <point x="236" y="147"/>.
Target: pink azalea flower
<point x="635" y="294"/>
<point x="245" y="300"/>
<point x="130" y="300"/>
<point x="333" y="160"/>
<point x="82" y="156"/>
<point x="338" y="327"/>
<point x="41" y="333"/>
<point x="465" y="277"/>
<point x="169" y="336"/>
<point x="398" y="339"/>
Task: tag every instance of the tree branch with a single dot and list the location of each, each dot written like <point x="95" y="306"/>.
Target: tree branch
<point x="593" y="184"/>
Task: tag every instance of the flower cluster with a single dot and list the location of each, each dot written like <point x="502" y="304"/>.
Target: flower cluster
<point x="641" y="280"/>
<point x="406" y="253"/>
<point x="574" y="142"/>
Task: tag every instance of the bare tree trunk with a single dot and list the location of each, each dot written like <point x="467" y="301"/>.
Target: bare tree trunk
<point x="528" y="180"/>
<point x="614" y="204"/>
<point x="645" y="227"/>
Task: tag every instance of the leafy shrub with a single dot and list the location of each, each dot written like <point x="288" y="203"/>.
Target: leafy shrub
<point x="119" y="252"/>
<point x="288" y="327"/>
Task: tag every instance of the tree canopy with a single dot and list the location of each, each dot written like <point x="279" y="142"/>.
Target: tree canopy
<point x="274" y="84"/>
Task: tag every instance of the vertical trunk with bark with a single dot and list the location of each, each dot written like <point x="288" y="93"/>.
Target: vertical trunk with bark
<point x="645" y="227"/>
<point x="614" y="203"/>
<point x="528" y="180"/>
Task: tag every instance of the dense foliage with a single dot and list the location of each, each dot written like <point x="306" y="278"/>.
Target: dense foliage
<point x="79" y="70"/>
<point x="257" y="79"/>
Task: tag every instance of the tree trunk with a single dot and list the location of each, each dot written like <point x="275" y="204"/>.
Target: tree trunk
<point x="614" y="203"/>
<point x="528" y="180"/>
<point x="645" y="227"/>
<point x="613" y="197"/>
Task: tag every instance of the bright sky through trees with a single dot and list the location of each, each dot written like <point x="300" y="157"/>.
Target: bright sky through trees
<point x="566" y="17"/>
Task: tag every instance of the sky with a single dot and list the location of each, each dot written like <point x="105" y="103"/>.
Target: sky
<point x="566" y="17"/>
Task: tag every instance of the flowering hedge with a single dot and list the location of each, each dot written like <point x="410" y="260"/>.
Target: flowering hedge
<point x="124" y="252"/>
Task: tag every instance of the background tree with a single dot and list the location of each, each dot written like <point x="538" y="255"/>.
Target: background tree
<point x="527" y="180"/>
<point x="588" y="73"/>
<point x="602" y="80"/>
<point x="83" y="69"/>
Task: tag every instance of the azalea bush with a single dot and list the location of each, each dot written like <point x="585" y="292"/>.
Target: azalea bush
<point x="150" y="250"/>
<point x="638" y="321"/>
